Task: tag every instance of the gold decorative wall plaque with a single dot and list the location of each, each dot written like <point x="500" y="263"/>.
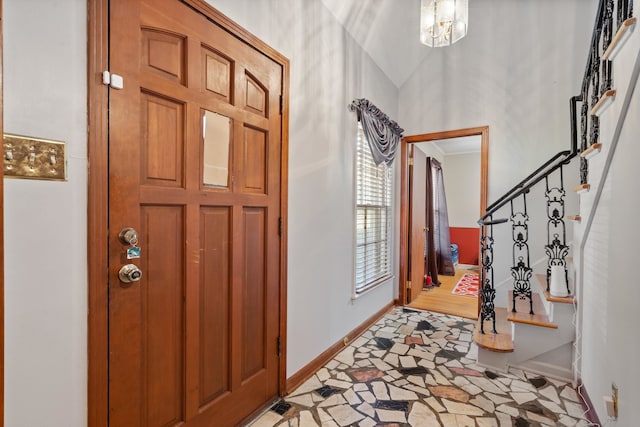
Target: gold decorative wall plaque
<point x="35" y="158"/>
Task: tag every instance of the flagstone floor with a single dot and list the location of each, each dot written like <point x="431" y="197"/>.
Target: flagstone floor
<point x="415" y="368"/>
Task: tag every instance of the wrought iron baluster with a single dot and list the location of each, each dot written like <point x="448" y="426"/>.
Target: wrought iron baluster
<point x="521" y="270"/>
<point x="556" y="247"/>
<point x="595" y="94"/>
<point x="607" y="25"/>
<point x="620" y="12"/>
<point x="607" y="34"/>
<point x="584" y="126"/>
<point x="487" y="290"/>
<point x="624" y="10"/>
<point x="595" y="130"/>
<point x="595" y="72"/>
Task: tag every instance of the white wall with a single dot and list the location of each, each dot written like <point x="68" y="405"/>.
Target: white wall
<point x="431" y="150"/>
<point x="328" y="70"/>
<point x="515" y="71"/>
<point x="462" y="186"/>
<point x="45" y="222"/>
<point x="609" y="298"/>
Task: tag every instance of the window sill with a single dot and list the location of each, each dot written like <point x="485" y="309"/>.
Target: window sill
<point x="372" y="286"/>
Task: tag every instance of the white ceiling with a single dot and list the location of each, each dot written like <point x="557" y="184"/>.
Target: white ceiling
<point x="388" y="30"/>
<point x="453" y="146"/>
<point x="461" y="145"/>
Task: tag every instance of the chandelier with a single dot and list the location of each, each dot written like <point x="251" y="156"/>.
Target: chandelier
<point x="443" y="22"/>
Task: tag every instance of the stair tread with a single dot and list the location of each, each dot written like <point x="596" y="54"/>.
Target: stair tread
<point x="582" y="188"/>
<point x="593" y="149"/>
<point x="619" y="37"/>
<point x="542" y="282"/>
<point x="605" y="100"/>
<point x="500" y="342"/>
<point x="540" y="318"/>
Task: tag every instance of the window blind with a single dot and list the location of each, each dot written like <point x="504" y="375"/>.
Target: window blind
<point x="373" y="218"/>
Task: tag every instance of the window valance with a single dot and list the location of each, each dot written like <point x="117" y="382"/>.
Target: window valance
<point x="382" y="133"/>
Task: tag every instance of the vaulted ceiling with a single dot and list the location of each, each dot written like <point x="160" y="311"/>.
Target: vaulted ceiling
<point x="388" y="30"/>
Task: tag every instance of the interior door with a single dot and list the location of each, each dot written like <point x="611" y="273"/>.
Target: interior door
<point x="418" y="182"/>
<point x="194" y="182"/>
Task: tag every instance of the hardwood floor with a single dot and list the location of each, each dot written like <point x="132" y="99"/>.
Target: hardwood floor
<point x="441" y="300"/>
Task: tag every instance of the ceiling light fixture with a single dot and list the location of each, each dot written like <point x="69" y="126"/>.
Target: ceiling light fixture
<point x="443" y="22"/>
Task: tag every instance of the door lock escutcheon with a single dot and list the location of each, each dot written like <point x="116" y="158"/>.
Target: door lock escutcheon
<point x="130" y="273"/>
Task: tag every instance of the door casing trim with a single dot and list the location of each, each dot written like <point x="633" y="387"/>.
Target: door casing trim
<point x="483" y="131"/>
<point x="98" y="197"/>
<point x="1" y="237"/>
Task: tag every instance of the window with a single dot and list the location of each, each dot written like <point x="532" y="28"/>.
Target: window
<point x="373" y="218"/>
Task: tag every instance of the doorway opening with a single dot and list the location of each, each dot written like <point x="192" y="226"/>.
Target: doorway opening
<point x="421" y="286"/>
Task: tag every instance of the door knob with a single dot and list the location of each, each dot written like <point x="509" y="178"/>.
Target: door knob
<point x="129" y="273"/>
<point x="128" y="236"/>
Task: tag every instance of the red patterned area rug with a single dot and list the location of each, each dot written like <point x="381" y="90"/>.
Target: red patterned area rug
<point x="467" y="285"/>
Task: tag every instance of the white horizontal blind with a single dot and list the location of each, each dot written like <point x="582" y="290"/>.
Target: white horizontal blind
<point x="373" y="218"/>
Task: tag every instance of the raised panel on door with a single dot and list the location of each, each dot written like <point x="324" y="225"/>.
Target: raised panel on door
<point x="162" y="307"/>
<point x="217" y="73"/>
<point x="215" y="303"/>
<point x="164" y="53"/>
<point x="255" y="154"/>
<point x="254" y="302"/>
<point x="256" y="95"/>
<point x="162" y="132"/>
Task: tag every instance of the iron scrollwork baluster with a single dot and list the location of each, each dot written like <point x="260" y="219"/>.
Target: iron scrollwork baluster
<point x="607" y="34"/>
<point x="595" y="71"/>
<point x="556" y="247"/>
<point x="595" y="95"/>
<point x="584" y="125"/>
<point x="624" y="11"/>
<point x="620" y="12"/>
<point x="521" y="270"/>
<point x="487" y="290"/>
<point x="521" y="274"/>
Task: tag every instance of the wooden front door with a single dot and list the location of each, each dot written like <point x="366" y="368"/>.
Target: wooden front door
<point x="194" y="169"/>
<point x="418" y="185"/>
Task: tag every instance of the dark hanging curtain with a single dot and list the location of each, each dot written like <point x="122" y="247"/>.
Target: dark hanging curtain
<point x="382" y="133"/>
<point x="437" y="242"/>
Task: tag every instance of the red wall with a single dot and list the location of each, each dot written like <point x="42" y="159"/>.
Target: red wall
<point x="468" y="241"/>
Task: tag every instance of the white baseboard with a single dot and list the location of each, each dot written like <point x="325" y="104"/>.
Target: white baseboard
<point x="468" y="266"/>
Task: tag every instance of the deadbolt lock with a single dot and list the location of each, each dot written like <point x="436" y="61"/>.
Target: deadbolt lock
<point x="129" y="273"/>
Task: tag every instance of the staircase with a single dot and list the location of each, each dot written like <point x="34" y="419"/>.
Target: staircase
<point x="540" y="342"/>
<point x="526" y="326"/>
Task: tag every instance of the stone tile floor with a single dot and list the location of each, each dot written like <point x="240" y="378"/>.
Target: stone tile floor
<point x="416" y="368"/>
